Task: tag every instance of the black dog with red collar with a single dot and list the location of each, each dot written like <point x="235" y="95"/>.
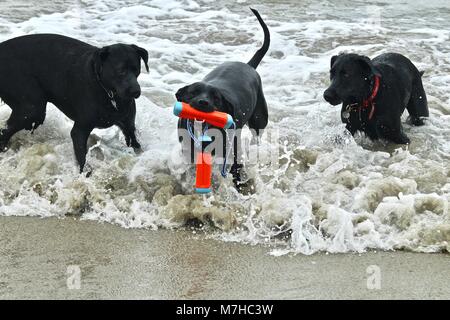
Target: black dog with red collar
<point x="374" y="94"/>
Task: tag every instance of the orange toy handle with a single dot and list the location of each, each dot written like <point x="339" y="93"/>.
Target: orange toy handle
<point x="215" y="118"/>
<point x="203" y="172"/>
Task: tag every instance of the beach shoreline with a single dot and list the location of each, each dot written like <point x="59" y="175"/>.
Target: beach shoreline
<point x="40" y="258"/>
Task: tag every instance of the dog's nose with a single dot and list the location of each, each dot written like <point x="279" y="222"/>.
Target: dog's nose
<point x="136" y="93"/>
<point x="202" y="103"/>
<point x="328" y="95"/>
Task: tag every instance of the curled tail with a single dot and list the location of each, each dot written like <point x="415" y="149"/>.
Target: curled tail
<point x="254" y="62"/>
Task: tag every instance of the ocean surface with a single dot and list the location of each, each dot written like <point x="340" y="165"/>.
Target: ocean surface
<point x="327" y="191"/>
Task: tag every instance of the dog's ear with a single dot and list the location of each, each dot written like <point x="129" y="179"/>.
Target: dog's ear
<point x="366" y="61"/>
<point x="333" y="60"/>
<point x="225" y="104"/>
<point x="100" y="56"/>
<point x="181" y="93"/>
<point x="143" y="54"/>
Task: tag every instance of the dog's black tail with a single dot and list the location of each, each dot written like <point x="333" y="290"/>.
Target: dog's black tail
<point x="259" y="55"/>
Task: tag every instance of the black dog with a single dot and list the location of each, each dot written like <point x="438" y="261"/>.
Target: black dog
<point x="234" y="88"/>
<point x="95" y="87"/>
<point x="374" y="94"/>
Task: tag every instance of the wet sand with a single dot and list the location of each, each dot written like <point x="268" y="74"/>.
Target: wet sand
<point x="117" y="263"/>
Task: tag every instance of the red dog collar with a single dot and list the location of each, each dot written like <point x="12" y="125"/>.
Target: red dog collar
<point x="369" y="102"/>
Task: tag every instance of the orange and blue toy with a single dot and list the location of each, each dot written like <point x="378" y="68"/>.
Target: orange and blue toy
<point x="203" y="159"/>
<point x="216" y="118"/>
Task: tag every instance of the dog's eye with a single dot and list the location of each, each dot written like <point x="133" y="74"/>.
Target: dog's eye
<point x="345" y="74"/>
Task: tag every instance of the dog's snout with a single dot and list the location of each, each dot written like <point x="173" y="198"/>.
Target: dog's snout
<point x="202" y="104"/>
<point x="328" y="95"/>
<point x="135" y="92"/>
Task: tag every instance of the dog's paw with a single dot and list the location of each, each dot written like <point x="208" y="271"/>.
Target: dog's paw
<point x="242" y="182"/>
<point x="3" y="146"/>
<point x="3" y="142"/>
<point x="402" y="139"/>
<point x="136" y="147"/>
<point x="247" y="187"/>
<point x="138" y="151"/>
<point x="86" y="171"/>
<point x="133" y="143"/>
<point x="416" y="121"/>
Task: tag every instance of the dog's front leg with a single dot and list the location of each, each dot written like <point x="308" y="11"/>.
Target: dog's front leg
<point x="80" y="135"/>
<point x="129" y="131"/>
<point x="237" y="169"/>
<point x="128" y="127"/>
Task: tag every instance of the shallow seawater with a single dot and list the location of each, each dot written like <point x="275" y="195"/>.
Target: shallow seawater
<point x="327" y="192"/>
